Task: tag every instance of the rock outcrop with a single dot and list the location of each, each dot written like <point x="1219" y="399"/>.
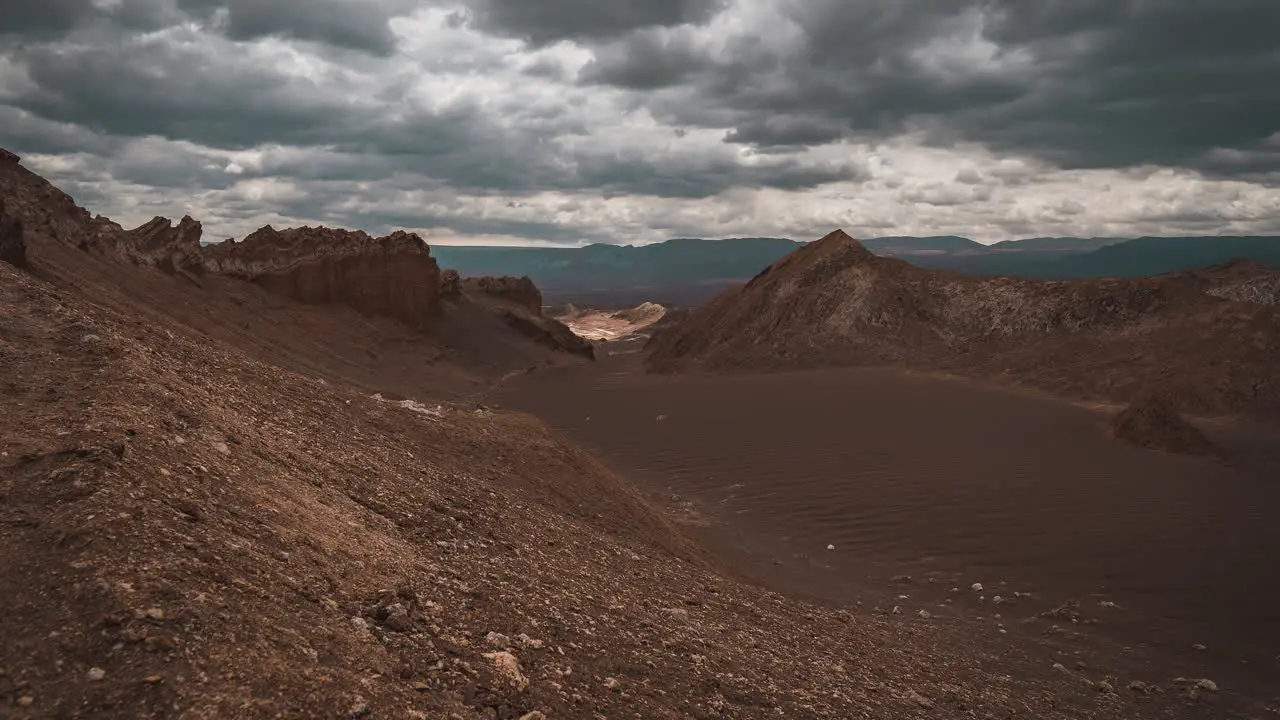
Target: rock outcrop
<point x="157" y="243"/>
<point x="546" y="331"/>
<point x="517" y="302"/>
<point x="517" y="290"/>
<point x="393" y="276"/>
<point x="832" y="302"/>
<point x="13" y="246"/>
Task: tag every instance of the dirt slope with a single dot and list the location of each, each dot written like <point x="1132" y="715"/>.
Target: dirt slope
<point x="834" y="303"/>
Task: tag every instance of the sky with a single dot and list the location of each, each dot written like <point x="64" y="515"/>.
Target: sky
<point x="576" y="121"/>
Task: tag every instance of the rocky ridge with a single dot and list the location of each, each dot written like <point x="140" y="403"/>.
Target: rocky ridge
<point x="832" y="302"/>
<point x="394" y="276"/>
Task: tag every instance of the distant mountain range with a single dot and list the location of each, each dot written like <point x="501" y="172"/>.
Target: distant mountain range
<point x="686" y="270"/>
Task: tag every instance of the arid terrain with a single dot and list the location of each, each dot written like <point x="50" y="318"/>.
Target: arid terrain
<point x="607" y="326"/>
<point x="279" y="478"/>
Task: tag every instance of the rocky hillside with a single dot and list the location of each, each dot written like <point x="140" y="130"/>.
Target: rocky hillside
<point x="833" y="302"/>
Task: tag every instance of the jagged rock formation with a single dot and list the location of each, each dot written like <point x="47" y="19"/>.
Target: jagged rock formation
<point x="833" y="302"/>
<point x="394" y="276"/>
<point x="1153" y="422"/>
<point x="13" y="246"/>
<point x="157" y="243"/>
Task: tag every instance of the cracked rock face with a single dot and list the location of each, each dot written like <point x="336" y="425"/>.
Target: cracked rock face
<point x="392" y="276"/>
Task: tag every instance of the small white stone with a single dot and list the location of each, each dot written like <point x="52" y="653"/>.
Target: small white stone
<point x="976" y="587"/>
<point x="831" y="547"/>
<point x="97" y="674"/>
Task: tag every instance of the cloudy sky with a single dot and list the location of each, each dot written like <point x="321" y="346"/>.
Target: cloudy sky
<point x="572" y="121"/>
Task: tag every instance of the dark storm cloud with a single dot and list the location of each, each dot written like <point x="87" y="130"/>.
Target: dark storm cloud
<point x="647" y="59"/>
<point x="42" y="18"/>
<point x="1084" y="83"/>
<point x="355" y="24"/>
<point x="547" y="21"/>
<point x="180" y="87"/>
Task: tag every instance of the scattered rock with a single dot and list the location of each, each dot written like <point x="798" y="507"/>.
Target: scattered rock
<point x="924" y="614"/>
<point x="1139" y="686"/>
<point x="398" y="618"/>
<point x="535" y="715"/>
<point x="26" y="701"/>
<point x="976" y="587"/>
<point x="497" y="641"/>
<point x="905" y="579"/>
<point x="359" y="707"/>
<point x="222" y="448"/>
<point x="679" y="614"/>
<point x="920" y="700"/>
<point x="1199" y="648"/>
<point x="509" y="667"/>
<point x="1060" y="668"/>
<point x="1193" y="688"/>
<point x="527" y="642"/>
<point x="1103" y="686"/>
<point x="831" y="547"/>
<point x="97" y="674"/>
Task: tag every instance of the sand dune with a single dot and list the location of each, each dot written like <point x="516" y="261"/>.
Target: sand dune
<point x="927" y="476"/>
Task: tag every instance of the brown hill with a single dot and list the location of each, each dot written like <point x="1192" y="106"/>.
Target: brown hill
<point x="834" y="303"/>
<point x="1153" y="422"/>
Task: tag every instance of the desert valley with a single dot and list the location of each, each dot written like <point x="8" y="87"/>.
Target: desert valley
<point x="313" y="473"/>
